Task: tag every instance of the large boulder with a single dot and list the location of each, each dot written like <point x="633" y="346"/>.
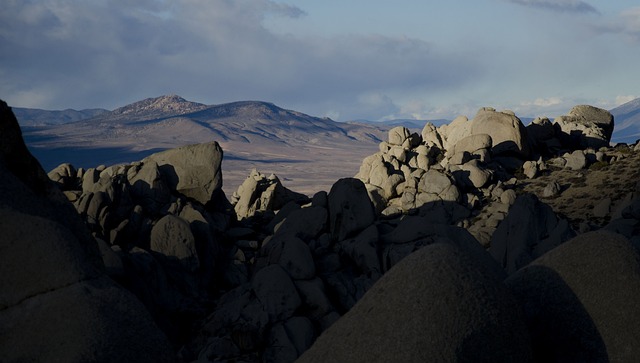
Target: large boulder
<point x="449" y="311"/>
<point x="530" y="229"/>
<point x="55" y="299"/>
<point x="507" y="132"/>
<point x="350" y="209"/>
<point x="586" y="127"/>
<point x="193" y="171"/>
<point x="581" y="300"/>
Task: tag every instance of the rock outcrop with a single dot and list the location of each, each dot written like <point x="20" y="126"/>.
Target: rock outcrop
<point x="476" y="206"/>
<point x="55" y="300"/>
<point x="586" y="126"/>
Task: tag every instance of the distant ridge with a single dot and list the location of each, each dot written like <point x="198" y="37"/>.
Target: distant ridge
<point x="38" y="117"/>
<point x="627" y="119"/>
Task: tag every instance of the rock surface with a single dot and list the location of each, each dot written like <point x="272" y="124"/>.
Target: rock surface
<point x="51" y="275"/>
<point x="452" y="317"/>
<point x="580" y="300"/>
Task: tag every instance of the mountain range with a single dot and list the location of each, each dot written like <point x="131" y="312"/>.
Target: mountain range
<point x="253" y="134"/>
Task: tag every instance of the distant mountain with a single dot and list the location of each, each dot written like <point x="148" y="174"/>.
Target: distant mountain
<point x="408" y="123"/>
<point x="252" y="134"/>
<point x="627" y="122"/>
<point x="38" y="117"/>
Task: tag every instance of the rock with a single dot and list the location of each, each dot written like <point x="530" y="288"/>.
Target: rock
<point x="296" y="259"/>
<point x="530" y="169"/>
<point x="576" y="160"/>
<point x="398" y="135"/>
<point x="453" y="316"/>
<point x="350" y="210"/>
<point x="430" y="136"/>
<point x="193" y="171"/>
<point x="455" y="131"/>
<point x="363" y="250"/>
<point x="172" y="238"/>
<point x="148" y="189"/>
<point x="473" y="175"/>
<point x="65" y="176"/>
<point x="276" y="292"/>
<point x="586" y="126"/>
<point x="305" y="223"/>
<point x="542" y="135"/>
<point x="259" y="193"/>
<point x="55" y="299"/>
<point x="507" y="132"/>
<point x="314" y="298"/>
<point x="530" y="229"/>
<point x="473" y="143"/>
<point x="508" y="197"/>
<point x="602" y="208"/>
<point x="581" y="300"/>
<point x="552" y="189"/>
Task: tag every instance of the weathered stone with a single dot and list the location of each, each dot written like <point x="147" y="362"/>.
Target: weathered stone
<point x="148" y="189"/>
<point x="172" y="237"/>
<point x="507" y="132"/>
<point x="552" y="189"/>
<point x="193" y="171"/>
<point x="363" y="250"/>
<point x="431" y="137"/>
<point x="297" y="260"/>
<point x="473" y="143"/>
<point x="398" y="135"/>
<point x="455" y="131"/>
<point x="381" y="328"/>
<point x="350" y="210"/>
<point x="576" y="160"/>
<point x="276" y="292"/>
<point x="587" y="126"/>
<point x="581" y="300"/>
<point x="65" y="176"/>
<point x="530" y="229"/>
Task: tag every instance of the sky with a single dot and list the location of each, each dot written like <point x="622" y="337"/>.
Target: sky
<point x="348" y="59"/>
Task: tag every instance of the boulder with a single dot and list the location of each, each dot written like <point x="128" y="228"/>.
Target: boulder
<point x="576" y="160"/>
<point x="172" y="238"/>
<point x="276" y="292"/>
<point x="473" y="143"/>
<point x="193" y="171"/>
<point x="581" y="299"/>
<point x="586" y="127"/>
<point x="398" y="135"/>
<point x="458" y="313"/>
<point x="455" y="131"/>
<point x="431" y="136"/>
<point x="530" y="229"/>
<point x="507" y="132"/>
<point x="350" y="210"/>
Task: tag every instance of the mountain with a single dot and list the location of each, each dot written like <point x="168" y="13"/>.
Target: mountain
<point x="627" y="119"/>
<point x="38" y="117"/>
<point x="252" y="134"/>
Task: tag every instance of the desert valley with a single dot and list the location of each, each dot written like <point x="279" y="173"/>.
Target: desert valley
<point x="156" y="232"/>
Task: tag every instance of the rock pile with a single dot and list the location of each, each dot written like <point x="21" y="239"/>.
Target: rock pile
<point x="434" y="249"/>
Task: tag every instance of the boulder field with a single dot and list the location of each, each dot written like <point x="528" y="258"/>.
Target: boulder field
<point x="458" y="243"/>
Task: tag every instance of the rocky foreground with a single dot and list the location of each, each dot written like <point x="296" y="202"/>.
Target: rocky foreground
<point x="481" y="240"/>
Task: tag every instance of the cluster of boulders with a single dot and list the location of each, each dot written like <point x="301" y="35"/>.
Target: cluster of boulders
<point x="432" y="252"/>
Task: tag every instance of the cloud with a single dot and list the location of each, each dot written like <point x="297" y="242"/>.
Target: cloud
<point x="569" y="6"/>
<point x="76" y="53"/>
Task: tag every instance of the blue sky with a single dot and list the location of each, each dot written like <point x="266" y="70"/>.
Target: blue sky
<point x="343" y="59"/>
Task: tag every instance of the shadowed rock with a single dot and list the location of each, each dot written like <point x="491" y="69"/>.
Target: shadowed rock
<point x="435" y="305"/>
<point x="55" y="300"/>
<point x="581" y="300"/>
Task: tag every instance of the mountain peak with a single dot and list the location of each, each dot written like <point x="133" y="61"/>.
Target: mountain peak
<point x="168" y="104"/>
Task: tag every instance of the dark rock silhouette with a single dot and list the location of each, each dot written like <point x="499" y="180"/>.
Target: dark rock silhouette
<point x="56" y="301"/>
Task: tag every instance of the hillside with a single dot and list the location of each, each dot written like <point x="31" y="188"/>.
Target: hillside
<point x="253" y="134"/>
<point x="38" y="117"/>
<point x="627" y="118"/>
